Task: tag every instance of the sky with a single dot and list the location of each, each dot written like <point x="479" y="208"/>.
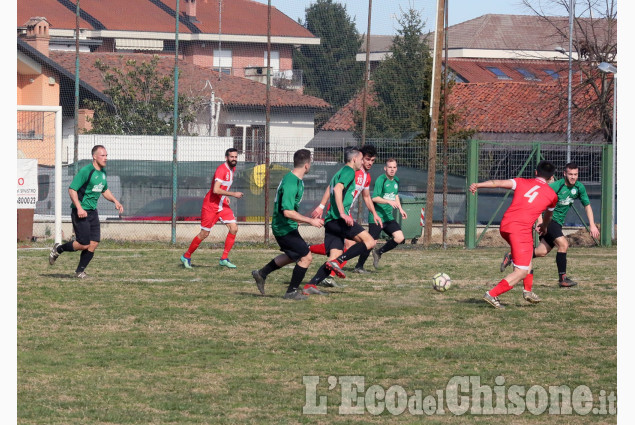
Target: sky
<point x="385" y="12"/>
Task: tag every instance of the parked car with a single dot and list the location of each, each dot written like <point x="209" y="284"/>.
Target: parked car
<point x="187" y="209"/>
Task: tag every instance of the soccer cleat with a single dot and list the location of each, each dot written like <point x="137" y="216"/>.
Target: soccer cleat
<point x="507" y="260"/>
<point x="333" y="266"/>
<point x="295" y="295"/>
<point x="260" y="281"/>
<point x="225" y="262"/>
<point x="531" y="297"/>
<point x="81" y="275"/>
<point x="565" y="282"/>
<point x="53" y="254"/>
<point x="330" y="283"/>
<point x="187" y="262"/>
<point x="360" y="270"/>
<point x="376" y="257"/>
<point x="312" y="290"/>
<point x="493" y="301"/>
<point x="327" y="282"/>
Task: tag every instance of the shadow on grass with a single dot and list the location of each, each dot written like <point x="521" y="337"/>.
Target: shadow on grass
<point x="68" y="276"/>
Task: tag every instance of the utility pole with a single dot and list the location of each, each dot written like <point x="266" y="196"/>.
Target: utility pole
<point x="76" y="123"/>
<point x="267" y="123"/>
<point x="434" y="122"/>
<point x="364" y="96"/>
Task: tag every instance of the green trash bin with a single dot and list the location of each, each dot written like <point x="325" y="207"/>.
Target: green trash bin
<point x="411" y="227"/>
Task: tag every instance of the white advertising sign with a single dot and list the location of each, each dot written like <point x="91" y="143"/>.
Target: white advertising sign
<point x="27" y="183"/>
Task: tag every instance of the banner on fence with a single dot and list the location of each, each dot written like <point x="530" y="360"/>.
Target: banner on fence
<point x="27" y="183"/>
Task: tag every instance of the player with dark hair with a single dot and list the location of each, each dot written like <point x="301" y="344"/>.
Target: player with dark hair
<point x="531" y="198"/>
<point x="338" y="224"/>
<point x="85" y="189"/>
<point x="215" y="208"/>
<point x="284" y="225"/>
<point x="362" y="186"/>
<point x="385" y="198"/>
<point x="568" y="189"/>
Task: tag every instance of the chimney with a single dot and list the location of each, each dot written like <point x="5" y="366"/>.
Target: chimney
<point x="190" y="10"/>
<point x="37" y="34"/>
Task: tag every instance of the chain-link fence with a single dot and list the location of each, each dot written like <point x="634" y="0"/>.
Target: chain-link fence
<point x="140" y="174"/>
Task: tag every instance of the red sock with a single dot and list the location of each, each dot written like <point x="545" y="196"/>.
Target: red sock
<point x="528" y="281"/>
<point x="318" y="249"/>
<point x="229" y="243"/>
<point x="193" y="246"/>
<point x="501" y="288"/>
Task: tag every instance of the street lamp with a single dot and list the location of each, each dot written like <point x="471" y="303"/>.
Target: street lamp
<point x="607" y="68"/>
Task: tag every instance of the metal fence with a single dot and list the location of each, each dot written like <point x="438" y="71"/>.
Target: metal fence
<point x="140" y="175"/>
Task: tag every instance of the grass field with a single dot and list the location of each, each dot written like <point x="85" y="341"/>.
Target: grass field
<point x="145" y="341"/>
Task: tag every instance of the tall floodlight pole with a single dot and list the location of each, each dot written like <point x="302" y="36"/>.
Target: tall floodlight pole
<point x="76" y="126"/>
<point x="364" y="96"/>
<point x="366" y="74"/>
<point x="445" y="131"/>
<point x="608" y="68"/>
<point x="571" y="11"/>
<point x="267" y="122"/>
<point x="176" y="123"/>
<point x="436" y="93"/>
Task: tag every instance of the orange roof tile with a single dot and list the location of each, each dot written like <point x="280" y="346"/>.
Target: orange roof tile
<point x="519" y="108"/>
<point x="234" y="91"/>
<point x="239" y="17"/>
<point x="343" y="120"/>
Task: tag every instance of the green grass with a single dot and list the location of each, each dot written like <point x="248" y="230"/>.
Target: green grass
<point x="145" y="341"/>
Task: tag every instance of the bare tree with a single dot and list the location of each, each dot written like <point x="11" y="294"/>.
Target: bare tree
<point x="594" y="39"/>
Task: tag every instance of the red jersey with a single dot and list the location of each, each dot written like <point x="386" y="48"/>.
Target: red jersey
<point x="531" y="198"/>
<point x="225" y="175"/>
<point x="362" y="182"/>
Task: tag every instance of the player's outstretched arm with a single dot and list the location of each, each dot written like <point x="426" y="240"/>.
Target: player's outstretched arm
<point x="317" y="212"/>
<point x="296" y="216"/>
<point x="546" y="218"/>
<point x="338" y="194"/>
<point x="592" y="227"/>
<point x="220" y="191"/>
<point x="81" y="213"/>
<point x="371" y="207"/>
<point x="401" y="211"/>
<point x="110" y="197"/>
<point x="492" y="184"/>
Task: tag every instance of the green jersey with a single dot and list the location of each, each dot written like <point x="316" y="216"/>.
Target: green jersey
<point x="566" y="196"/>
<point x="385" y="189"/>
<point x="288" y="197"/>
<point x="89" y="183"/>
<point x="346" y="176"/>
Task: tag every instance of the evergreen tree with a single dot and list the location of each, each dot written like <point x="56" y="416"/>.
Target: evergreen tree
<point x="402" y="85"/>
<point x="330" y="70"/>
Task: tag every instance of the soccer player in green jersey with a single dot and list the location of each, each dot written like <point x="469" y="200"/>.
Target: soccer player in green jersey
<point x="385" y="198"/>
<point x="285" y="229"/>
<point x="85" y="189"/>
<point x="339" y="225"/>
<point x="568" y="189"/>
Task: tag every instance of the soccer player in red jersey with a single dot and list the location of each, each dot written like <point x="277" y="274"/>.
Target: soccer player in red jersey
<point x="531" y="198"/>
<point x="216" y="207"/>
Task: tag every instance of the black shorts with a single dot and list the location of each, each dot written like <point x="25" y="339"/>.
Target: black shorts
<point x="335" y="231"/>
<point x="86" y="229"/>
<point x="293" y="245"/>
<point x="554" y="231"/>
<point x="389" y="228"/>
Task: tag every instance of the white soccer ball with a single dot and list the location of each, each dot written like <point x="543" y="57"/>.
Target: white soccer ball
<point x="441" y="282"/>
